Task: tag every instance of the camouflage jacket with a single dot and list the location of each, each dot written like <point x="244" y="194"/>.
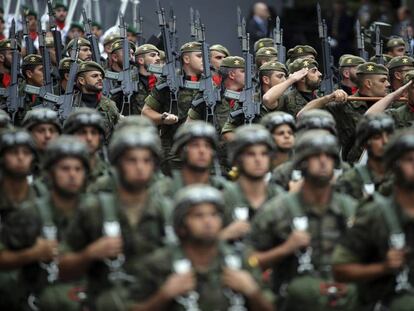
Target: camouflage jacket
<point x="292" y="101"/>
<point x="403" y="116"/>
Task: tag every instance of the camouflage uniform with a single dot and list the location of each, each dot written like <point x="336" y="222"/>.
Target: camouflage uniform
<point x="349" y="61"/>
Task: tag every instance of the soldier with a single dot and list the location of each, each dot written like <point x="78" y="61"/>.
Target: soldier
<point x="403" y="116"/>
<point x="31" y="17"/>
<point x="146" y="55"/>
<point x="67" y="164"/>
<point x="372" y="82"/>
<point x="200" y="273"/>
<point x="217" y="54"/>
<point x="75" y="31"/>
<point x="264" y="55"/>
<point x="295" y="234"/>
<point x="85" y="52"/>
<point x="117" y="61"/>
<point x="113" y="231"/>
<point x="107" y="44"/>
<point x="89" y="79"/>
<point x="282" y="127"/>
<point x="195" y="143"/>
<point x="5" y="63"/>
<point x="88" y="125"/>
<point x="232" y="73"/>
<point x="395" y="46"/>
<point x="363" y="180"/>
<point x="64" y="68"/>
<point x="300" y="51"/>
<point x="398" y="67"/>
<point x="44" y="126"/>
<point x="61" y="12"/>
<point x="375" y="252"/>
<point x="263" y="42"/>
<point x="158" y="106"/>
<point x="385" y="58"/>
<point x="303" y="90"/>
<point x="347" y="69"/>
<point x="251" y="153"/>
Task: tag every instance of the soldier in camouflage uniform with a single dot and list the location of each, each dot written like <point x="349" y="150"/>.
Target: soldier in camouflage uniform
<point x="160" y="108"/>
<point x="251" y="153"/>
<point x="217" y="54"/>
<point x="85" y="52"/>
<point x="282" y="127"/>
<point x="44" y="126"/>
<point x="372" y="82"/>
<point x="89" y="78"/>
<point x="146" y="54"/>
<point x="17" y="152"/>
<point x="395" y="47"/>
<point x="40" y="224"/>
<point x="347" y="69"/>
<point x="64" y="68"/>
<point x="398" y="67"/>
<point x="5" y="67"/>
<point x="376" y="251"/>
<point x="113" y="231"/>
<point x="5" y="120"/>
<point x="363" y="180"/>
<point x="200" y="273"/>
<point x="403" y="115"/>
<point x="88" y="125"/>
<point x="295" y="233"/>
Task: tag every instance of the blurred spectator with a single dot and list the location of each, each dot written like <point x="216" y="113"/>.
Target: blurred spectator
<point x="2" y="28"/>
<point x="403" y="20"/>
<point x="364" y="13"/>
<point x="261" y="22"/>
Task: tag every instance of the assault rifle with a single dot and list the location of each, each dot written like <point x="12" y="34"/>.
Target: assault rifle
<point x="278" y="38"/>
<point x="360" y="37"/>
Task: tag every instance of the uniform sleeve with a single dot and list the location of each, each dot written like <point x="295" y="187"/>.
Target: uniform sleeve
<point x="229" y="126"/>
<point x="156" y="99"/>
<point x="194" y="114"/>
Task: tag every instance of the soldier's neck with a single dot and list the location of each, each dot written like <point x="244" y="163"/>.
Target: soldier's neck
<point x="115" y="67"/>
<point x="200" y="255"/>
<point x="280" y="158"/>
<point x="133" y="198"/>
<point x="16" y="189"/>
<point x="405" y="198"/>
<point x="229" y="85"/>
<point x="376" y="165"/>
<point x="191" y="176"/>
<point x="143" y="72"/>
<point x="65" y="204"/>
<point x="313" y="195"/>
<point x="255" y="190"/>
<point x="348" y="83"/>
<point x="301" y="87"/>
<point x="189" y="72"/>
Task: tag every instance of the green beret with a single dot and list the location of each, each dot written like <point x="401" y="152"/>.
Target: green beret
<point x="65" y="63"/>
<point x="109" y="39"/>
<point x="59" y="4"/>
<point x="409" y="76"/>
<point x="220" y="48"/>
<point x="162" y="55"/>
<point x="263" y="42"/>
<point x="190" y="47"/>
<point x="348" y="60"/>
<point x="146" y="48"/>
<point x="300" y="51"/>
<point x="371" y="68"/>
<point x="131" y="29"/>
<point x="29" y="12"/>
<point x="301" y="63"/>
<point x="273" y="66"/>
<point x="394" y="42"/>
<point x="400" y="61"/>
<point x="118" y="44"/>
<point x="49" y="42"/>
<point x="81" y="42"/>
<point x="32" y="60"/>
<point x="267" y="51"/>
<point x="385" y="57"/>
<point x="5" y="44"/>
<point x="90" y="66"/>
<point x="97" y="25"/>
<point x="232" y="62"/>
<point x="76" y="25"/>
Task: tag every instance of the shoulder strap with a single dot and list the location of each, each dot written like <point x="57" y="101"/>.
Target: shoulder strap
<point x="49" y="229"/>
<point x="363" y="172"/>
<point x="107" y="202"/>
<point x="345" y="206"/>
<point x="294" y="205"/>
<point x="390" y="215"/>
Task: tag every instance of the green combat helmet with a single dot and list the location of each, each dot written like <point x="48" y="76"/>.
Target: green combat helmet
<point x="15" y="137"/>
<point x="274" y="119"/>
<point x="66" y="146"/>
<point x="192" y="195"/>
<point x="248" y="135"/>
<point x="371" y="125"/>
<point x="137" y="121"/>
<point x="83" y="117"/>
<point x="314" y="142"/>
<point x="41" y="116"/>
<point x="316" y="119"/>
<point x="133" y="137"/>
<point x="191" y="130"/>
<point x="401" y="143"/>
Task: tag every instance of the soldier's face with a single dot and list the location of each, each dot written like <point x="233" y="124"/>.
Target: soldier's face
<point x="36" y="76"/>
<point x="131" y="36"/>
<point x="52" y="54"/>
<point x="255" y="161"/>
<point x="43" y="134"/>
<point x="136" y="168"/>
<point x="320" y="169"/>
<point x="61" y="14"/>
<point x="276" y="78"/>
<point x="199" y="154"/>
<point x="376" y="145"/>
<point x="405" y="174"/>
<point x="93" y="81"/>
<point x="239" y="76"/>
<point x="91" y="136"/>
<point x="398" y="51"/>
<point x="18" y="161"/>
<point x="216" y="58"/>
<point x="284" y="137"/>
<point x="96" y="31"/>
<point x="31" y="22"/>
<point x="68" y="176"/>
<point x="196" y="62"/>
<point x="150" y="58"/>
<point x="379" y="85"/>
<point x="203" y="224"/>
<point x="313" y="78"/>
<point x="352" y="75"/>
<point x="85" y="53"/>
<point x="6" y="57"/>
<point x="75" y="33"/>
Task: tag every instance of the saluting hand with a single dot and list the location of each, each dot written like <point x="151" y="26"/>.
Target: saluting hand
<point x="298" y="75"/>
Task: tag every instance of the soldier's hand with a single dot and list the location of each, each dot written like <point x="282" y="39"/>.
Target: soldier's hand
<point x="179" y="284"/>
<point x="297" y="240"/>
<point x="45" y="250"/>
<point x="296" y="76"/>
<point x="395" y="259"/>
<point x="339" y="96"/>
<point x="237" y="229"/>
<point x="400" y="91"/>
<point x="169" y="118"/>
<point x="240" y="281"/>
<point x="105" y="247"/>
<point x="295" y="185"/>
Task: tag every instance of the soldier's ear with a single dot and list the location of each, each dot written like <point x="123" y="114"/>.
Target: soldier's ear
<point x="2" y="58"/>
<point x="81" y="80"/>
<point x="29" y="74"/>
<point x="398" y="75"/>
<point x="265" y="80"/>
<point x="186" y="58"/>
